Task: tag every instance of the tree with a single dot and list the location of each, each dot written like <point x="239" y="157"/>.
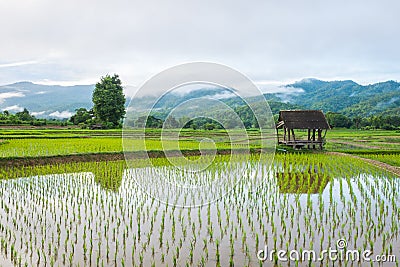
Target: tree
<point x="171" y="123"/>
<point x="338" y="120"/>
<point x="209" y="126"/>
<point x="24" y="115"/>
<point x="109" y="100"/>
<point x="357" y="122"/>
<point x="82" y="115"/>
<point x="149" y="122"/>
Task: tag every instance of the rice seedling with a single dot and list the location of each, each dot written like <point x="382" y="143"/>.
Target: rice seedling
<point x="92" y="213"/>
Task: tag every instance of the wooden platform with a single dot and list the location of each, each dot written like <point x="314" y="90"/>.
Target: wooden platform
<point x="303" y="143"/>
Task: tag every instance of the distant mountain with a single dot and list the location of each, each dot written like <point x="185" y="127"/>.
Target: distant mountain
<point x="45" y="100"/>
<point x="346" y="97"/>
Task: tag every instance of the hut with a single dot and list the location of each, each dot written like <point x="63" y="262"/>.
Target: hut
<point x="311" y="121"/>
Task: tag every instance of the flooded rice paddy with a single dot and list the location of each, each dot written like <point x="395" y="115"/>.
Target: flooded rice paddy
<point x="95" y="214"/>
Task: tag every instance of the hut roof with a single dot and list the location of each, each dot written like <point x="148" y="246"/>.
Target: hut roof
<point x="302" y="119"/>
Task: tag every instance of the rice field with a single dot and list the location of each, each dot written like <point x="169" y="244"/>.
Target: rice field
<point x="53" y="147"/>
<point x="391" y="159"/>
<point x="351" y="140"/>
<point x="13" y="144"/>
<point x="95" y="214"/>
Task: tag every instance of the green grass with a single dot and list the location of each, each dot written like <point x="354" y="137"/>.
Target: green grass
<point x="59" y="142"/>
<point x="352" y="140"/>
<point x="7" y="133"/>
<point x="69" y="146"/>
<point x="391" y="159"/>
<point x="39" y="143"/>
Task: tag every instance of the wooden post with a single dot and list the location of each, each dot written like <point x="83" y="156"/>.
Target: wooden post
<point x="277" y="134"/>
<point x="313" y="138"/>
<point x="320" y="138"/>
<point x="309" y="138"/>
<point x="288" y="132"/>
<point x="294" y="139"/>
<point x="284" y="134"/>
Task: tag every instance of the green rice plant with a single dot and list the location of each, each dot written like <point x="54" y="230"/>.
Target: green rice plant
<point x="60" y="207"/>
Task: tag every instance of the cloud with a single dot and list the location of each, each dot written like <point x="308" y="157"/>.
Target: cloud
<point x="4" y="96"/>
<point x="274" y="87"/>
<point x="14" y="108"/>
<point x="278" y="40"/>
<point x="38" y="113"/>
<point x="17" y="64"/>
<point x="65" y="83"/>
<point x="222" y="95"/>
<point x="130" y="90"/>
<point x="62" y="115"/>
<point x="189" y="88"/>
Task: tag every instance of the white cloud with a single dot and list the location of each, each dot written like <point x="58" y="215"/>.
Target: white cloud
<point x="4" y="96"/>
<point x="17" y="64"/>
<point x="130" y="90"/>
<point x="278" y="40"/>
<point x="222" y="95"/>
<point x="66" y="83"/>
<point x="62" y="115"/>
<point x="273" y="87"/>
<point x="38" y="113"/>
<point x="14" y="108"/>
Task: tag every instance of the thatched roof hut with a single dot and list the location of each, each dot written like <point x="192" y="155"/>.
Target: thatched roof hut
<point x="312" y="120"/>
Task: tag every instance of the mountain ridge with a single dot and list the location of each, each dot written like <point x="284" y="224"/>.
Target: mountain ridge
<point x="346" y="97"/>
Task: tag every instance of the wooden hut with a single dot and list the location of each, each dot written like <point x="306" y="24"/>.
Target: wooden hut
<point x="311" y="121"/>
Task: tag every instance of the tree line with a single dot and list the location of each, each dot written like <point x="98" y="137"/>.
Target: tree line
<point x="385" y="122"/>
<point x="24" y="117"/>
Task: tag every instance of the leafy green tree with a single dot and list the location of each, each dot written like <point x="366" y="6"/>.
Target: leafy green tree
<point x="209" y="126"/>
<point x="338" y="120"/>
<point x="153" y="122"/>
<point x="357" y="122"/>
<point x="82" y="115"/>
<point x="109" y="100"/>
<point x="24" y="115"/>
<point x="149" y="122"/>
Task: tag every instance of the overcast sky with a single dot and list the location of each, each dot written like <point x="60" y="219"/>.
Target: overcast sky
<point x="76" y="42"/>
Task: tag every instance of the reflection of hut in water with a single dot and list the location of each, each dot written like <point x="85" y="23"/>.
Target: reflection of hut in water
<point x="313" y="121"/>
<point x="310" y="180"/>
